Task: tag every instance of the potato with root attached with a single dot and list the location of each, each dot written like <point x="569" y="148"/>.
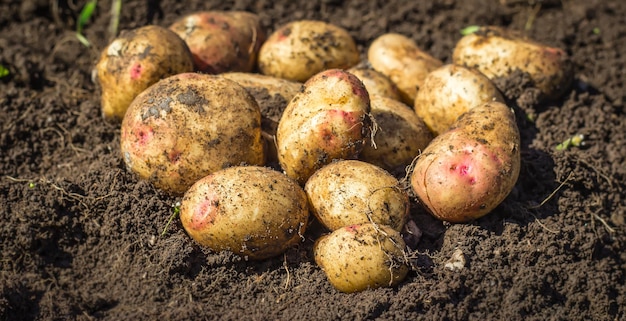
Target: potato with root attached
<point x="467" y="171"/>
<point x="251" y="211"/>
<point x="222" y="41"/>
<point x="498" y="52"/>
<point x="135" y="60"/>
<point x="362" y="256"/>
<point x="329" y="119"/>
<point x="376" y="83"/>
<point x="187" y="126"/>
<point x="301" y="49"/>
<point x="349" y="192"/>
<point x="399" y="58"/>
<point x="450" y="91"/>
<point x="400" y="135"/>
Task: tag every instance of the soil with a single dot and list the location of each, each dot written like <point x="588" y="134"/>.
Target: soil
<point x="83" y="239"/>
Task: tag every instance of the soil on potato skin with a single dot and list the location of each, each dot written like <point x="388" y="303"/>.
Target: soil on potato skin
<point x="81" y="238"/>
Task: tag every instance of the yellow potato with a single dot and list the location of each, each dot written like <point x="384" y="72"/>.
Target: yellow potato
<point x="301" y="49"/>
<point x="398" y="57"/>
<point x="351" y="192"/>
<point x="252" y="211"/>
<point x="376" y="83"/>
<point x="357" y="257"/>
<point x="187" y="126"/>
<point x="450" y="91"/>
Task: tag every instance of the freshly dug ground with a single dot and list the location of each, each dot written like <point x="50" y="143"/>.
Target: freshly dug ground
<point x="81" y="238"/>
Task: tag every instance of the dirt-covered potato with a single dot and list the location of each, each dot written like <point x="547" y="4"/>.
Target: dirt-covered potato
<point x="222" y="41"/>
<point x="252" y="211"/>
<point x="328" y="120"/>
<point x="363" y="256"/>
<point x="448" y="92"/>
<point x="135" y="60"/>
<point x="401" y="135"/>
<point x="467" y="171"/>
<point x="349" y="192"/>
<point x="189" y="125"/>
<point x="376" y="83"/>
<point x="498" y="52"/>
<point x="301" y="49"/>
<point x="399" y="58"/>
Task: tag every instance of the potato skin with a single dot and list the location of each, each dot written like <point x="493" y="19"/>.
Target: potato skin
<point x="222" y="41"/>
<point x="357" y="257"/>
<point x="450" y="91"/>
<point x="135" y="60"/>
<point x="252" y="211"/>
<point x="376" y="83"/>
<point x="400" y="137"/>
<point x="398" y="57"/>
<point x="498" y="52"/>
<point x="187" y="126"/>
<point x="301" y="49"/>
<point x="349" y="192"/>
<point x="467" y="171"/>
<point x="328" y="120"/>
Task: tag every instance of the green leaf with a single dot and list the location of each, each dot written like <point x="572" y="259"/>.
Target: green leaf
<point x="596" y="30"/>
<point x="4" y="71"/>
<point x="85" y="15"/>
<point x="469" y="30"/>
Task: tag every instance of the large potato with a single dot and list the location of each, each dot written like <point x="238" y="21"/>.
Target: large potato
<point x="301" y="49"/>
<point x="498" y="52"/>
<point x="448" y="92"/>
<point x="249" y="210"/>
<point x="467" y="171"/>
<point x="376" y="83"/>
<point x="328" y="120"/>
<point x="190" y="125"/>
<point x="399" y="58"/>
<point x="222" y="41"/>
<point x="357" y="257"/>
<point x="351" y="192"/>
<point x="401" y="135"/>
<point x="135" y="60"/>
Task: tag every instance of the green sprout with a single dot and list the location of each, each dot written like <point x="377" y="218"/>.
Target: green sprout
<point x="83" y="18"/>
<point x="175" y="212"/>
<point x="31" y="185"/>
<point x="4" y="71"/>
<point x="596" y="30"/>
<point x="469" y="30"/>
<point x="116" y="7"/>
<point x="577" y="140"/>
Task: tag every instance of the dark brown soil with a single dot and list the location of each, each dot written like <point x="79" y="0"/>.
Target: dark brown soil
<point x="82" y="239"/>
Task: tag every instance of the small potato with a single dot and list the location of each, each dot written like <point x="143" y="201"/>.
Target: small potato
<point x="222" y="41"/>
<point x="398" y="57"/>
<point x="401" y="135"/>
<point x="190" y="125"/>
<point x="376" y="83"/>
<point x="498" y="52"/>
<point x="351" y="192"/>
<point x="135" y="60"/>
<point x="327" y="120"/>
<point x="467" y="171"/>
<point x="357" y="257"/>
<point x="450" y="91"/>
<point x="301" y="49"/>
<point x="249" y="210"/>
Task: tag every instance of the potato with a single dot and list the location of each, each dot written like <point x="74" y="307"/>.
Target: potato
<point x="357" y="257"/>
<point x="222" y="41"/>
<point x="467" y="171"/>
<point x="450" y="91"/>
<point x="498" y="52"/>
<point x="401" y="135"/>
<point x="301" y="49"/>
<point x="398" y="57"/>
<point x="349" y="192"/>
<point x="252" y="211"/>
<point x="135" y="60"/>
<point x="327" y="120"/>
<point x="376" y="83"/>
<point x="190" y="125"/>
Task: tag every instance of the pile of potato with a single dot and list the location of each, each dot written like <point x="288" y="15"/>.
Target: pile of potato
<point x="193" y="124"/>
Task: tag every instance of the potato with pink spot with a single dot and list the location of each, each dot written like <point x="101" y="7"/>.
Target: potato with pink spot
<point x="329" y="119"/>
<point x="135" y="60"/>
<point x="252" y="211"/>
<point x="466" y="172"/>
